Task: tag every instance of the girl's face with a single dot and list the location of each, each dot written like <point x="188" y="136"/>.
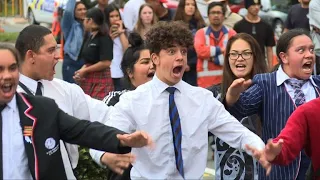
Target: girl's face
<point x="190" y="7"/>
<point x="143" y="69"/>
<point x="146" y="15"/>
<point x="241" y="59"/>
<point x="114" y="16"/>
<point x="80" y="11"/>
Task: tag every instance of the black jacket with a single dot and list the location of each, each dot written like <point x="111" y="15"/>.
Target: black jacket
<point x="44" y="125"/>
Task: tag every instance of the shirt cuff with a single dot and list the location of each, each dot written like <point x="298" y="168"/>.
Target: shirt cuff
<point x="96" y="156"/>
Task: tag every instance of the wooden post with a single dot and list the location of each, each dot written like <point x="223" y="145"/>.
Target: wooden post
<point x="20" y="8"/>
<point x="12" y="7"/>
<point x="5" y="8"/>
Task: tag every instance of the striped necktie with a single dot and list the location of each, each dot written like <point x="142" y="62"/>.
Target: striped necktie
<point x="299" y="96"/>
<point x="176" y="130"/>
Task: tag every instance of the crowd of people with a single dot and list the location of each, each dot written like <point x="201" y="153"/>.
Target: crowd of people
<point x="164" y="78"/>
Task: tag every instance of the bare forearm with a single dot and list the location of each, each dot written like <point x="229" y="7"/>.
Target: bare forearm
<point x="270" y="56"/>
<point x="124" y="41"/>
<point x="101" y="65"/>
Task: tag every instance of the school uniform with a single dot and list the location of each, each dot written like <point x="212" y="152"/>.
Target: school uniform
<point x="181" y="138"/>
<point x="272" y="98"/>
<point x="31" y="131"/>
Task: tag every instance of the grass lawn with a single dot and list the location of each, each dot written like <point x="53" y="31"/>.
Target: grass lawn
<point x="8" y="37"/>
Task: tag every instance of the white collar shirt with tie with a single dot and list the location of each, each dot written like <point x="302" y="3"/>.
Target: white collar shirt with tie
<point x="15" y="162"/>
<point x="147" y="109"/>
<point x="308" y="88"/>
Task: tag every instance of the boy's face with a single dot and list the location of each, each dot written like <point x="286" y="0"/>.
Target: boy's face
<point x="170" y="64"/>
<point x="299" y="60"/>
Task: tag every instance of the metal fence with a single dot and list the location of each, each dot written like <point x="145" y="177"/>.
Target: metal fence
<point x="11" y="8"/>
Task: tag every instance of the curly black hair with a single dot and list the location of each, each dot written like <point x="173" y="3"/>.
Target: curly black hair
<point x="164" y="35"/>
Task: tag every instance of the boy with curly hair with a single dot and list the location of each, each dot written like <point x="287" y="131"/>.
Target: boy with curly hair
<point x="177" y="115"/>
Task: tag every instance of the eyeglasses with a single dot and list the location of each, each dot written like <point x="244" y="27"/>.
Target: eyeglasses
<point x="215" y="13"/>
<point x="244" y="55"/>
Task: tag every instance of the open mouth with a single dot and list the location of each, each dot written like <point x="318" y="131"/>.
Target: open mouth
<point x="6" y="88"/>
<point x="241" y="67"/>
<point x="307" y="67"/>
<point x="177" y="70"/>
<point x="150" y="74"/>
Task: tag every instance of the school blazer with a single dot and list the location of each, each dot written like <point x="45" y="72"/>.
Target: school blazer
<point x="44" y="125"/>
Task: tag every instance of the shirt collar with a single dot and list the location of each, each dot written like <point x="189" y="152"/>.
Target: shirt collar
<point x="30" y="83"/>
<point x="210" y="30"/>
<point x="161" y="86"/>
<point x="13" y="103"/>
<point x="282" y="77"/>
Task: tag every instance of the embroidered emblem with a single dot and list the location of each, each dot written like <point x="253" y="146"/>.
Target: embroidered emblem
<point x="50" y="143"/>
<point x="256" y="1"/>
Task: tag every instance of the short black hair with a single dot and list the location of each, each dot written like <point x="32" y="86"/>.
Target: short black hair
<point x="213" y="4"/>
<point x="285" y="40"/>
<point x="164" y="35"/>
<point x="31" y="38"/>
<point x="12" y="49"/>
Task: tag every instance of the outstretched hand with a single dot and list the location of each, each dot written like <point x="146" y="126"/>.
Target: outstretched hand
<point x="236" y="88"/>
<point x="268" y="154"/>
<point x="136" y="139"/>
<point x="117" y="162"/>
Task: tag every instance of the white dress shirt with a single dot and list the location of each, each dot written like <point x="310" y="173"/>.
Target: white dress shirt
<point x="131" y="13"/>
<point x="115" y="66"/>
<point x="15" y="162"/>
<point x="307" y="89"/>
<point x="147" y="109"/>
<point x="72" y="100"/>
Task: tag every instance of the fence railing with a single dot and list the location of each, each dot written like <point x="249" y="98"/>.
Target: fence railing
<point x="11" y="8"/>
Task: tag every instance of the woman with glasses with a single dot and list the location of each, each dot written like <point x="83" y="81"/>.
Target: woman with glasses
<point x="243" y="59"/>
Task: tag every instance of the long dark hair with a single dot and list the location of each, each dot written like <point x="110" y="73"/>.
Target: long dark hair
<point x="181" y="15"/>
<point x="131" y="56"/>
<point x="97" y="16"/>
<point x="259" y="63"/>
<point x="111" y="7"/>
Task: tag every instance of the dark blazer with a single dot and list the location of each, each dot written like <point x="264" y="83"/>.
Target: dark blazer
<point x="44" y="125"/>
<point x="274" y="106"/>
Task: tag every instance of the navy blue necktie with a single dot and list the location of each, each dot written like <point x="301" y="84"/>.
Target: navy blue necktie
<point x="299" y="96"/>
<point x="39" y="92"/>
<point x="176" y="130"/>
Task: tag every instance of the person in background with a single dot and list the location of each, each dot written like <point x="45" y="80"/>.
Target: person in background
<point x="188" y="12"/>
<point x="210" y="43"/>
<point x="74" y="35"/>
<point x="131" y="11"/>
<point x="298" y="16"/>
<point x="231" y="18"/>
<point x="274" y="96"/>
<point x="94" y="77"/>
<point x="252" y="24"/>
<point x="138" y="69"/>
<point x="243" y="60"/>
<point x="118" y="34"/>
<point x="147" y="18"/>
<point x="314" y="21"/>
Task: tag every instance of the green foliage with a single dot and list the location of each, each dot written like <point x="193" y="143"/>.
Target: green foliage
<point x="8" y="37"/>
<point x="87" y="169"/>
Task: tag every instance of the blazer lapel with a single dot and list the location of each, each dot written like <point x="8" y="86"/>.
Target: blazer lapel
<point x="28" y="123"/>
